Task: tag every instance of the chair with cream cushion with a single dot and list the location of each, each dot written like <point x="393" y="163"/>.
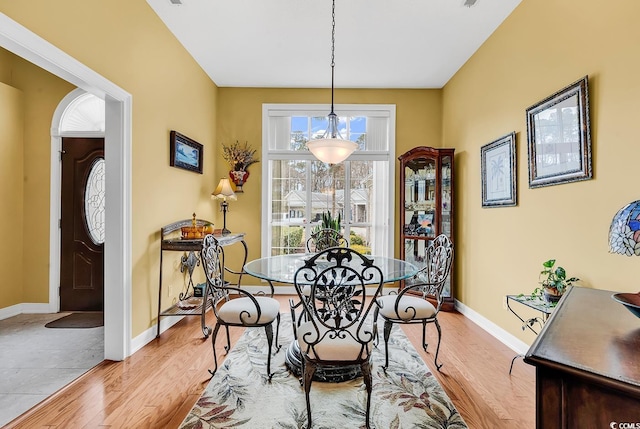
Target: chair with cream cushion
<point x="335" y="330"/>
<point x="411" y="305"/>
<point x="245" y="310"/>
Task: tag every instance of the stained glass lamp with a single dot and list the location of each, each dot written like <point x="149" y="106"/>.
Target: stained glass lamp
<point x="624" y="238"/>
<point x="624" y="232"/>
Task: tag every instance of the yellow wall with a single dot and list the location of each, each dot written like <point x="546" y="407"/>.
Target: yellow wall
<point x="127" y="43"/>
<point x="542" y="47"/>
<point x="42" y="94"/>
<point x="418" y="123"/>
<point x="11" y="206"/>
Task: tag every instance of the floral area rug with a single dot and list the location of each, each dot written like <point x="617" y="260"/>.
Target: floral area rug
<point x="240" y="396"/>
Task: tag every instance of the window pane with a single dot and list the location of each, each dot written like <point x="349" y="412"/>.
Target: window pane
<point x="299" y="132"/>
<point x="288" y="195"/>
<point x="358" y="131"/>
<point x="300" y="191"/>
<point x="94" y="202"/>
<point x="318" y="126"/>
<point x="361" y="190"/>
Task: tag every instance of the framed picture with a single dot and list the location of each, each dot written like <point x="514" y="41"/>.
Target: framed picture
<point x="559" y="137"/>
<point x="498" y="169"/>
<point x="185" y="153"/>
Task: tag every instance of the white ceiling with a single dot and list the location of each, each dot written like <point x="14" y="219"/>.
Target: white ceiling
<point x="287" y="43"/>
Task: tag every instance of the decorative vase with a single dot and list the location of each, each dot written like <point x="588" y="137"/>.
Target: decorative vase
<point x="239" y="178"/>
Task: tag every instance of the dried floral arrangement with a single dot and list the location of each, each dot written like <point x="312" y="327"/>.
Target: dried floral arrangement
<point x="239" y="157"/>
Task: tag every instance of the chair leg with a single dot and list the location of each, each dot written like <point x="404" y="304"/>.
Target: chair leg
<point x="387" y="334"/>
<point x="309" y="371"/>
<point x="424" y="335"/>
<point x="213" y="344"/>
<point x="269" y="331"/>
<point x="368" y="382"/>
<point x="438" y="347"/>
<point x="375" y="327"/>
<point x="277" y="332"/>
<point x="228" y="346"/>
<point x="293" y="307"/>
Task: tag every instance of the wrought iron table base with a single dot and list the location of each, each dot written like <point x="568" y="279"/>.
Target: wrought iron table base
<point x="326" y="373"/>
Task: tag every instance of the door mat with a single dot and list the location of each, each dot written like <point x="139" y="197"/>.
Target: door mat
<point x="78" y="320"/>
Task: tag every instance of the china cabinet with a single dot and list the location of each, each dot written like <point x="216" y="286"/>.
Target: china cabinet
<point x="426" y="206"/>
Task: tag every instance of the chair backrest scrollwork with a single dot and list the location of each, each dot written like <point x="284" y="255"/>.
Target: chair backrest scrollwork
<point x="431" y="279"/>
<point x="324" y="239"/>
<point x="337" y="306"/>
<point x="212" y="257"/>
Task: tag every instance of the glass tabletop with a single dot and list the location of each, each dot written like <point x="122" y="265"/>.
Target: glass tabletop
<point x="535" y="303"/>
<point x="282" y="268"/>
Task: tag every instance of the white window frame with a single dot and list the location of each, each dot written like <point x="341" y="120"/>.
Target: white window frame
<point x="342" y="110"/>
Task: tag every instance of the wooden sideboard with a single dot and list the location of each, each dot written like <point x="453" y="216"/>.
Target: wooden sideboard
<point x="587" y="360"/>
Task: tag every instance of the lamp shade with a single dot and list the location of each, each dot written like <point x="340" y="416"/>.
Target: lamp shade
<point x="224" y="191"/>
<point x="624" y="232"/>
<point x="331" y="150"/>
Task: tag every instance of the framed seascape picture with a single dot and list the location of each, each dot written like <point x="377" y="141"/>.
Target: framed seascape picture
<point x="498" y="169"/>
<point x="559" y="137"/>
<point x="185" y="153"/>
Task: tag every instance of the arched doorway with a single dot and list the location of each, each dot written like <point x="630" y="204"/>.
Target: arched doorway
<point x="118" y="129"/>
<point x="78" y="136"/>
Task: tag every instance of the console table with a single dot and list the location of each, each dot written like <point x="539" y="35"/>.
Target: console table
<point x="188" y="262"/>
<point x="587" y="360"/>
<point x="545" y="309"/>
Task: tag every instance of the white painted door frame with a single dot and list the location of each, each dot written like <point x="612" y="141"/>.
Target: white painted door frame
<point x="118" y="121"/>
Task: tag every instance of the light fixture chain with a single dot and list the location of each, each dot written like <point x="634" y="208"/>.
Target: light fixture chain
<point x="333" y="33"/>
<point x="333" y="44"/>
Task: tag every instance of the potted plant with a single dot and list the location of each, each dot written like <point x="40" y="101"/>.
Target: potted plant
<point x="329" y="222"/>
<point x="554" y="281"/>
<point x="239" y="159"/>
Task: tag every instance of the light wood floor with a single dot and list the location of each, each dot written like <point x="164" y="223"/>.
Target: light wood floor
<point x="158" y="385"/>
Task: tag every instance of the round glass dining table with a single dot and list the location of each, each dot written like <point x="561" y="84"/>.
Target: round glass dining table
<point x="282" y="269"/>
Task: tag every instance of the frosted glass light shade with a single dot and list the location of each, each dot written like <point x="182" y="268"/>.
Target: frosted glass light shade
<point x="331" y="150"/>
<point x="224" y="191"/>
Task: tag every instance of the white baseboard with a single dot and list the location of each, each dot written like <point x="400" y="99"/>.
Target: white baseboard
<point x="27" y="307"/>
<point x="149" y="335"/>
<point x="496" y="331"/>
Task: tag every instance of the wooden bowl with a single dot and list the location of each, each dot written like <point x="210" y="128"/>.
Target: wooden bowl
<point x="192" y="232"/>
<point x="630" y="300"/>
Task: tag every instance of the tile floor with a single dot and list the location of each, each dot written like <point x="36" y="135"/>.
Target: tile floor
<point x="36" y="361"/>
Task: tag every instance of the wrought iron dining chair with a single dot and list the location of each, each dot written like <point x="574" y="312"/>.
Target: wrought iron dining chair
<point x="325" y="238"/>
<point x="246" y="310"/>
<point x="317" y="242"/>
<point x="411" y="304"/>
<point x="336" y="330"/>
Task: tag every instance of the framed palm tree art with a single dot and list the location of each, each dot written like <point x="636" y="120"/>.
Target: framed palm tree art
<point x="498" y="169"/>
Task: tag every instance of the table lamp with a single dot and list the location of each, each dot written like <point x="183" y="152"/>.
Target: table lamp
<point x="624" y="232"/>
<point x="624" y="238"/>
<point x="224" y="191"/>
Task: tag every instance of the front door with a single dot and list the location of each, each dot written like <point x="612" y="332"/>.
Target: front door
<point x="82" y="225"/>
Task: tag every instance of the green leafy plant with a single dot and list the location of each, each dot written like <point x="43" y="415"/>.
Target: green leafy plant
<point x="554" y="279"/>
<point x="329" y="222"/>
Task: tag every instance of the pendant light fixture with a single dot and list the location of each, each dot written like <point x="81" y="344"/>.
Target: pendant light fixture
<point x="332" y="148"/>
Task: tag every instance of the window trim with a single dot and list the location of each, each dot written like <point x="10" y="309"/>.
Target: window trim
<point x="369" y="110"/>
